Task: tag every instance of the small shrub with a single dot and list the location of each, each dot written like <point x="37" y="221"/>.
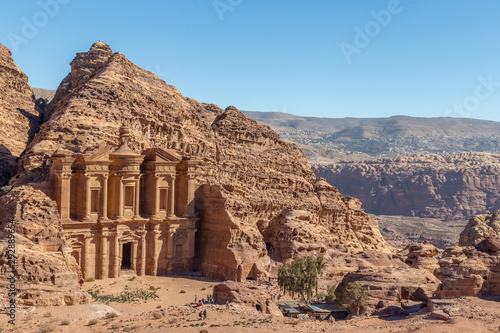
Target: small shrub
<point x="48" y="315"/>
<point x="203" y="288"/>
<point x="330" y="294"/>
<point x="320" y="295"/>
<point x="157" y="315"/>
<point x="64" y="323"/>
<point x="183" y="291"/>
<point x="92" y="322"/>
<point x="172" y="320"/>
<point x="158" y="306"/>
<point x="110" y="315"/>
<point x="203" y="331"/>
<point x="90" y="279"/>
<point x="132" y="278"/>
<point x="47" y="327"/>
<point x="5" y="189"/>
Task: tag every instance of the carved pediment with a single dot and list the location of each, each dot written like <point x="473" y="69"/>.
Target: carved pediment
<point x="159" y="155"/>
<point x="101" y="154"/>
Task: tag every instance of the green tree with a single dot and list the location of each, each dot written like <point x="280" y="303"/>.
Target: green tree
<point x="330" y="294"/>
<point x="354" y="296"/>
<point x="301" y="276"/>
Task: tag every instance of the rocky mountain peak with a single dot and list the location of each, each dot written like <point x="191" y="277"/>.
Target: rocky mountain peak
<point x="247" y="176"/>
<point x="20" y="118"/>
<point x="100" y="47"/>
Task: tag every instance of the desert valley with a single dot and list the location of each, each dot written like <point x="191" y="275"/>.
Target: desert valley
<point x="127" y="207"/>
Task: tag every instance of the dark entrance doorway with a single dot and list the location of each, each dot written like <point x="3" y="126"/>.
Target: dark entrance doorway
<point x="126" y="256"/>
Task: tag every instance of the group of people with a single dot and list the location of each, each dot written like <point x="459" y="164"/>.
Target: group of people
<point x="203" y="314"/>
<point x="209" y="300"/>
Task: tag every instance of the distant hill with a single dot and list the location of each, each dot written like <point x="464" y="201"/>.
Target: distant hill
<point x="47" y="94"/>
<point x="329" y="140"/>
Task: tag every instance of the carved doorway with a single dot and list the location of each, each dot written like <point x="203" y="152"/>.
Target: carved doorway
<point x="126" y="256"/>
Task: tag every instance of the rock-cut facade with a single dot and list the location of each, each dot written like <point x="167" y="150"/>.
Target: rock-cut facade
<point x="124" y="212"/>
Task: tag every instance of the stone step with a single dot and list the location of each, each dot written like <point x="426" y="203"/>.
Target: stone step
<point x="127" y="272"/>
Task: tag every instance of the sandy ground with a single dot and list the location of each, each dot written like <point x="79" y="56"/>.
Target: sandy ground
<point x="175" y="311"/>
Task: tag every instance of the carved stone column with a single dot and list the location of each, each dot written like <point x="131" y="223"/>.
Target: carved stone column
<point x="86" y="213"/>
<point x="142" y="260"/>
<point x="153" y="263"/>
<point x="86" y="257"/>
<point x="137" y="198"/>
<point x="116" y="255"/>
<point x="156" y="209"/>
<point x="191" y="187"/>
<point x="64" y="209"/>
<point x="120" y="198"/>
<point x="103" y="214"/>
<point x="171" y="206"/>
<point x="104" y="269"/>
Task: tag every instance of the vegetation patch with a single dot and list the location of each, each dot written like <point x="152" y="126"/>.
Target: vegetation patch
<point x="126" y="296"/>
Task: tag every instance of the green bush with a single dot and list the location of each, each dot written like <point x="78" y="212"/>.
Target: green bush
<point x="110" y="315"/>
<point x="5" y="189"/>
<point x="92" y="322"/>
<point x="330" y="294"/>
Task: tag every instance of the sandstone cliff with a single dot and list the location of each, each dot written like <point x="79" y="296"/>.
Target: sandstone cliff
<point x="453" y="186"/>
<point x="249" y="178"/>
<point x="20" y="119"/>
<point x="473" y="268"/>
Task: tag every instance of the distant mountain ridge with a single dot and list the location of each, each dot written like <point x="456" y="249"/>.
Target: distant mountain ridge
<point x="329" y="140"/>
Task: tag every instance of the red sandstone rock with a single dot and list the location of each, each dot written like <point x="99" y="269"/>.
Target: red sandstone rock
<point x="420" y="255"/>
<point x="472" y="270"/>
<point x="453" y="186"/>
<point x="390" y="283"/>
<point x="249" y="178"/>
<point x="20" y="119"/>
<point x="256" y="297"/>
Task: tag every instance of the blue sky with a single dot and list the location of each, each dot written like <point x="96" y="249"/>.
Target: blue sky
<point x="325" y="58"/>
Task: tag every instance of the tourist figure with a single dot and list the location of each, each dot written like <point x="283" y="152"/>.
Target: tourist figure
<point x="195" y="298"/>
<point x="227" y="305"/>
<point x="201" y="315"/>
<point x="199" y="303"/>
<point x="205" y="314"/>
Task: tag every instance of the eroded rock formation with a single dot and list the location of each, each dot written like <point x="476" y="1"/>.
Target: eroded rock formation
<point x="20" y="118"/>
<point x="390" y="283"/>
<point x="473" y="268"/>
<point x="234" y="292"/>
<point x="249" y="180"/>
<point x="420" y="255"/>
<point x="453" y="186"/>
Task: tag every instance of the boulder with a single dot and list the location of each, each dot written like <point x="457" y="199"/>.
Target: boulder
<point x="256" y="297"/>
<point x="421" y="255"/>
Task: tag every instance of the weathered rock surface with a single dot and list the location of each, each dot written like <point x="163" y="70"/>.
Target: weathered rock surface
<point x="452" y="186"/>
<point x="473" y="269"/>
<point x="50" y="295"/>
<point x="41" y="254"/>
<point x="390" y="284"/>
<point x="249" y="176"/>
<point x="20" y="118"/>
<point x="236" y="292"/>
<point x="420" y="255"/>
<point x="479" y="228"/>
